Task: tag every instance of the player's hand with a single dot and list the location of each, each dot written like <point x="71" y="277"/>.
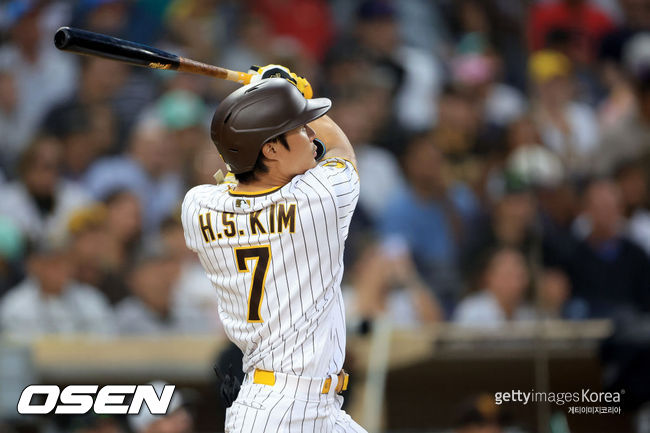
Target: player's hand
<point x="278" y="71"/>
<point x="229" y="386"/>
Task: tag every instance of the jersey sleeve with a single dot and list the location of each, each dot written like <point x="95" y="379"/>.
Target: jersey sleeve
<point x="336" y="179"/>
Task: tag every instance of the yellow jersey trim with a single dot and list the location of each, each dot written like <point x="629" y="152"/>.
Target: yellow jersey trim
<point x="253" y="193"/>
<point x="334" y="158"/>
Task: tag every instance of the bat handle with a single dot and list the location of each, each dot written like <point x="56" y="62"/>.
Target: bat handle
<point x="239" y="77"/>
<point x="189" y="65"/>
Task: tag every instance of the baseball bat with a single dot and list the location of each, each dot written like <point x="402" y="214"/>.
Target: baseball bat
<point x="109" y="47"/>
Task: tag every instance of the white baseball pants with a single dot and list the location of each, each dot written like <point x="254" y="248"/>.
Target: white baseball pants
<point x="294" y="404"/>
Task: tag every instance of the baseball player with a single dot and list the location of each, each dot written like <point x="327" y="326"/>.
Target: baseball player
<point x="272" y="245"/>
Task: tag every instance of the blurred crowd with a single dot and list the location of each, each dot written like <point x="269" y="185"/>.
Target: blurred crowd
<point x="503" y="147"/>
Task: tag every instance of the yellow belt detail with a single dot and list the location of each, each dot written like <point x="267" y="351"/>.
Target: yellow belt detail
<point x="326" y="385"/>
<point x="265" y="377"/>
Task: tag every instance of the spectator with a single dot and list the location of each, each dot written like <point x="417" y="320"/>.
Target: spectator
<point x="423" y="83"/>
<point x="350" y="75"/>
<point x="197" y="26"/>
<point x="501" y="299"/>
<point x="124" y="222"/>
<point x="297" y="19"/>
<point x="354" y="115"/>
<point x="610" y="273"/>
<point x="86" y="132"/>
<point x="177" y="420"/>
<point x="569" y="128"/>
<point x="521" y="133"/>
<point x="41" y="201"/>
<point x="636" y="18"/>
<point x="532" y="216"/>
<point x="41" y="76"/>
<point x="250" y="47"/>
<point x="476" y="65"/>
<point x="386" y="283"/>
<point x="184" y="115"/>
<point x="476" y="74"/>
<point x="630" y="139"/>
<point x="95" y="107"/>
<point x="574" y="28"/>
<point x="502" y="24"/>
<point x="554" y="197"/>
<point x="12" y="245"/>
<point x="458" y="136"/>
<point x="422" y="25"/>
<point x="637" y="14"/>
<point x="415" y="75"/>
<point x="195" y="298"/>
<point x="205" y="164"/>
<point x="15" y="130"/>
<point x="255" y="43"/>
<point x="104" y="16"/>
<point x="49" y="301"/>
<point x="431" y="216"/>
<point x="633" y="183"/>
<point x="97" y="255"/>
<point x="510" y="224"/>
<point x="99" y="82"/>
<point x="583" y="22"/>
<point x="150" y="309"/>
<point x="620" y="103"/>
<point x="554" y="293"/>
<point x="149" y="170"/>
<point x="106" y="239"/>
<point x="480" y="414"/>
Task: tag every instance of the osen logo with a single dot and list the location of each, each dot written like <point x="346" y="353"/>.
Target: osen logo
<point x="80" y="399"/>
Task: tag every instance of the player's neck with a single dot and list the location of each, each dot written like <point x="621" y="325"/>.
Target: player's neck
<point x="263" y="182"/>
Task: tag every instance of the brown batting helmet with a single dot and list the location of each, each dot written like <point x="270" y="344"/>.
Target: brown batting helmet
<point x="254" y="114"/>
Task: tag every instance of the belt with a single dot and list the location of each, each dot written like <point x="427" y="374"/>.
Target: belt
<point x="265" y="377"/>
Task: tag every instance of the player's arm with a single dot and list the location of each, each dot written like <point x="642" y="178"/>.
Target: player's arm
<point x="327" y="131"/>
<point x="335" y="140"/>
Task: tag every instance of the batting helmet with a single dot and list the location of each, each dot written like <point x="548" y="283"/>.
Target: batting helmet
<point x="254" y="114"/>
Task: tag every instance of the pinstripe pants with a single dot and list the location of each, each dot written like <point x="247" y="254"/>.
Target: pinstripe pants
<point x="293" y="405"/>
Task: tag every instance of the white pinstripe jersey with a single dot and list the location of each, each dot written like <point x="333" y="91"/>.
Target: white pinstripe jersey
<point x="276" y="260"/>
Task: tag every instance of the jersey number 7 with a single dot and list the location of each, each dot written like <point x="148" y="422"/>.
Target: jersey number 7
<point x="262" y="256"/>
